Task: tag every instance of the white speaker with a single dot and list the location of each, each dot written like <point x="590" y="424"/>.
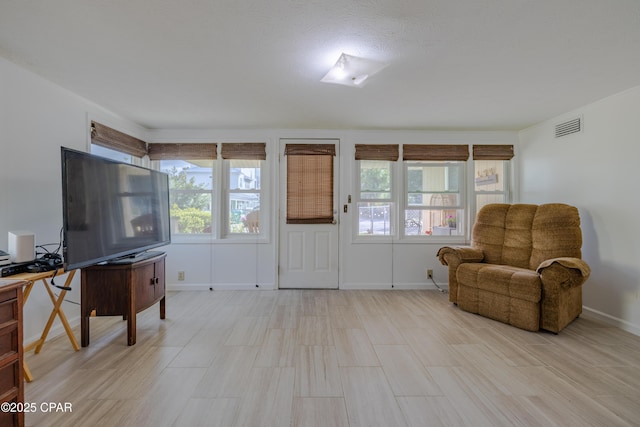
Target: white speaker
<point x="22" y="246"/>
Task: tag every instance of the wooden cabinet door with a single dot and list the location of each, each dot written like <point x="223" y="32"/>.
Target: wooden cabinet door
<point x="159" y="274"/>
<point x="144" y="284"/>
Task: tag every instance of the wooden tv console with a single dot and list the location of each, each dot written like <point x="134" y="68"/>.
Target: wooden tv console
<point x="122" y="288"/>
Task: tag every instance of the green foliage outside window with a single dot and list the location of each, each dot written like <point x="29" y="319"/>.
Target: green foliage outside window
<point x="178" y="181"/>
<point x="190" y="204"/>
<point x="375" y="180"/>
<point x="191" y="220"/>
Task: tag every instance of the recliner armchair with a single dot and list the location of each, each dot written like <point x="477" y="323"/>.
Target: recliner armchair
<point x="523" y="267"/>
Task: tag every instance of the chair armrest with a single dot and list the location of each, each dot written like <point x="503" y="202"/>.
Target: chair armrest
<point x="566" y="272"/>
<point x="459" y="254"/>
<point x="453" y="257"/>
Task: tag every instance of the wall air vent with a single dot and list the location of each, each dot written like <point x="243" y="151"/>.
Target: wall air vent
<point x="569" y="127"/>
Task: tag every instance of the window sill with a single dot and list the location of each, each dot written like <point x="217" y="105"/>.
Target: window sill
<point x="411" y="240"/>
<point x="186" y="239"/>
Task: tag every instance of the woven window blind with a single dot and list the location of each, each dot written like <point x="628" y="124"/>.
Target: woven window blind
<point x="310" y="183"/>
<point x="243" y="150"/>
<point x="310" y="150"/>
<point x="377" y="152"/>
<point x="435" y="152"/>
<point x="110" y="138"/>
<point x="182" y="151"/>
<point x="492" y="152"/>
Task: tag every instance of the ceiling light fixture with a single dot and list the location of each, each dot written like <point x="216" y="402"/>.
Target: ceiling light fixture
<point x="352" y="71"/>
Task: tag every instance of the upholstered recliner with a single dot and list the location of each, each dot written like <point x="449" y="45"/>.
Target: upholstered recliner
<point x="523" y="268"/>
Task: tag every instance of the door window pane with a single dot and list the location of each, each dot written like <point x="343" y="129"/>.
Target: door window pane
<point x="309" y="189"/>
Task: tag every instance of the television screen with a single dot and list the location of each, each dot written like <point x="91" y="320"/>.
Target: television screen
<point x="110" y="209"/>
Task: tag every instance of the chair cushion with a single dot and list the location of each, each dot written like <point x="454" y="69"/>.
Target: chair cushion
<point x="515" y="282"/>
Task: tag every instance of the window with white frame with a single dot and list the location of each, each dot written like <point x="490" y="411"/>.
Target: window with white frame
<point x="435" y="198"/>
<point x="438" y="196"/>
<point x="491" y="174"/>
<point x="375" y="199"/>
<point x="243" y="195"/>
<point x="190" y="195"/>
<point x="191" y="170"/>
<point x="434" y="181"/>
<point x="112" y="154"/>
<point x="243" y="166"/>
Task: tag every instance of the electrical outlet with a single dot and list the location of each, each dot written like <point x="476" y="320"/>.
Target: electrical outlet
<point x="180" y="275"/>
<point x="429" y="273"/>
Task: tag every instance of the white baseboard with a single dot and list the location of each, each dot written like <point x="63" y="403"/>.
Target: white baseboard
<point x="220" y="287"/>
<point x="591" y="313"/>
<point x="272" y="286"/>
<point x="388" y="286"/>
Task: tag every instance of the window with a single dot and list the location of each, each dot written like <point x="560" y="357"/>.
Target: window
<point x="490" y="184"/>
<point x="310" y="183"/>
<point x="190" y="195"/>
<point x="116" y="145"/>
<point x="435" y="199"/>
<point x="243" y="165"/>
<point x="112" y="154"/>
<point x="243" y="195"/>
<point x="491" y="174"/>
<point x="374" y="198"/>
<point x="191" y="170"/>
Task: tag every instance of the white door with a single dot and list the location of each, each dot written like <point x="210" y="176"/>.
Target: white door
<point x="308" y="214"/>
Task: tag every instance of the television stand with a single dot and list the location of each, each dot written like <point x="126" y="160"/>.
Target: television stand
<point x="123" y="288"/>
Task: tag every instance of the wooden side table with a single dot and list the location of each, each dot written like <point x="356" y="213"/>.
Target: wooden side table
<point x="44" y="277"/>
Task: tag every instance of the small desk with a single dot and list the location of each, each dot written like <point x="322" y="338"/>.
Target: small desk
<point x="31" y="279"/>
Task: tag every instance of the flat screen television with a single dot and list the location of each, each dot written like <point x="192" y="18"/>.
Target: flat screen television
<point x="111" y="210"/>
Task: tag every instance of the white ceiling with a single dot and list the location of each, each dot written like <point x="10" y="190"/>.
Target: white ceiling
<point x="453" y="64"/>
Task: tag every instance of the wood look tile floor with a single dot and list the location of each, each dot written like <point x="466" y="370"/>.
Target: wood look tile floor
<point x="335" y="358"/>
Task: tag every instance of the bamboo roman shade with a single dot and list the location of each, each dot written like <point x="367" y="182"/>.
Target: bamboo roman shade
<point x="310" y="183"/>
<point x="244" y="150"/>
<point x="492" y="152"/>
<point x="377" y="152"/>
<point x="435" y="152"/>
<point x="310" y="150"/>
<point x="110" y="138"/>
<point x="183" y="151"/>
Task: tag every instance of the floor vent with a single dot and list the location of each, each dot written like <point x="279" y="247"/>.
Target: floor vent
<point x="569" y="127"/>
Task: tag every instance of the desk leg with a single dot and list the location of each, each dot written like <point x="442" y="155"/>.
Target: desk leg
<point x="57" y="311"/>
<point x="27" y="373"/>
